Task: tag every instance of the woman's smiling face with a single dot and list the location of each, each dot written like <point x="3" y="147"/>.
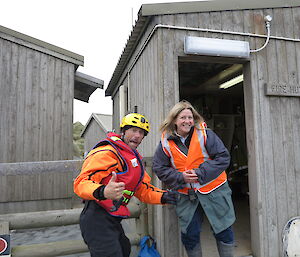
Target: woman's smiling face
<point x="184" y="122"/>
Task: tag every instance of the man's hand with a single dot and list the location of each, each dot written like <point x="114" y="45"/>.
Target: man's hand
<point x="190" y="176"/>
<point x="170" y="197"/>
<point x="114" y="190"/>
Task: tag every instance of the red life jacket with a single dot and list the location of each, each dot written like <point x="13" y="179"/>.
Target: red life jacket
<point x="197" y="154"/>
<point x="132" y="173"/>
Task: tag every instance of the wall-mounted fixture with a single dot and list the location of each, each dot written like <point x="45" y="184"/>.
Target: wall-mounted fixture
<point x="216" y="47"/>
<point x="223" y="47"/>
<point x="268" y="19"/>
<point x="232" y="82"/>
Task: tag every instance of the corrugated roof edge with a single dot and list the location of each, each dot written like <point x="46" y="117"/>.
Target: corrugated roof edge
<point x="211" y="6"/>
<point x="131" y="44"/>
<point x="75" y="58"/>
<point x="148" y="10"/>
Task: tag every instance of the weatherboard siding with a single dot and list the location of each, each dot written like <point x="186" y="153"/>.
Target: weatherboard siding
<point x="272" y="122"/>
<point x="36" y="105"/>
<point x="93" y="134"/>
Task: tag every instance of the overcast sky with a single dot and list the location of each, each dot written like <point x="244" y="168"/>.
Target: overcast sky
<point x="95" y="29"/>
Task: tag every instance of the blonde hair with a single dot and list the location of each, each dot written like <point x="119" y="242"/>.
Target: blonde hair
<point x="168" y="124"/>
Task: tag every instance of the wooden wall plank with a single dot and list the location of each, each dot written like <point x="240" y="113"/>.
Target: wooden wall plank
<point x="296" y="105"/>
<point x="180" y="20"/>
<point x="238" y="24"/>
<point x="50" y="92"/>
<point x="287" y="114"/>
<point x="57" y="109"/>
<point x="171" y="218"/>
<point x="6" y="80"/>
<point x="2" y="100"/>
<point x="158" y="230"/>
<point x="267" y="175"/>
<point x="168" y="40"/>
<point x="116" y="111"/>
<point x="278" y="124"/>
<point x="35" y="106"/>
<point x="169" y="67"/>
<point x="227" y="24"/>
<point x="252" y="129"/>
<point x="43" y="107"/>
<point x="21" y="103"/>
<point x="215" y="23"/>
<point x="204" y="20"/>
<point x="66" y="112"/>
<point x="28" y="136"/>
<point x="160" y="115"/>
<point x="70" y="112"/>
<point x="12" y="102"/>
<point x="192" y="20"/>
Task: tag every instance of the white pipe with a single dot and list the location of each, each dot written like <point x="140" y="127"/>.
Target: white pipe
<point x="207" y="30"/>
<point x="204" y="30"/>
<point x="267" y="41"/>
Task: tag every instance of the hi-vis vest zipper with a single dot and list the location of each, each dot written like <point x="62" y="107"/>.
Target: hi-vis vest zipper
<point x="197" y="154"/>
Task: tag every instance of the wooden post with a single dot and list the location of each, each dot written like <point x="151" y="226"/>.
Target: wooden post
<point x="4" y="227"/>
<point x="5" y="238"/>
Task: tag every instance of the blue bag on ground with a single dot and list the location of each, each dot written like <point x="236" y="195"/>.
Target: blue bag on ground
<point x="148" y="247"/>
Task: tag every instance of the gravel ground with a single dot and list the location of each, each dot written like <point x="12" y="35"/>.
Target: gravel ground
<point x="47" y="235"/>
<point x="53" y="234"/>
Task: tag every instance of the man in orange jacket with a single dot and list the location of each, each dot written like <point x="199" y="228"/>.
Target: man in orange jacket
<point x="111" y="174"/>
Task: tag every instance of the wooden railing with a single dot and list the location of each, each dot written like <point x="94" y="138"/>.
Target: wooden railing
<point x="43" y="219"/>
<point x="30" y="193"/>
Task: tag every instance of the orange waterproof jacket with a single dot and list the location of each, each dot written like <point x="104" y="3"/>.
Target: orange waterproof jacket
<point x="197" y="154"/>
<point x="111" y="155"/>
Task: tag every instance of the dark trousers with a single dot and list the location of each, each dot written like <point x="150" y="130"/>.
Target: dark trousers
<point x="103" y="233"/>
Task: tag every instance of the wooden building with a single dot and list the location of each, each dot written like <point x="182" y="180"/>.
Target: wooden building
<point x="95" y="130"/>
<point x="260" y="115"/>
<point x="38" y="82"/>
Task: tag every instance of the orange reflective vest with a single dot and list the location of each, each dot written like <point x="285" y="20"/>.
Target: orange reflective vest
<point x="197" y="154"/>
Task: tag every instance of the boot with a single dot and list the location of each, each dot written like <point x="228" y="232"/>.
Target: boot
<point x="224" y="249"/>
<point x="195" y="252"/>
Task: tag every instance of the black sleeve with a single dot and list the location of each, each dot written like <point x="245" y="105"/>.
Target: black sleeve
<point x="219" y="159"/>
<point x="164" y="170"/>
<point x="99" y="193"/>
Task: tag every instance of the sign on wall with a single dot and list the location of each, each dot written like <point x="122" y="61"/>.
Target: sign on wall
<point x="5" y="245"/>
<point x="282" y="89"/>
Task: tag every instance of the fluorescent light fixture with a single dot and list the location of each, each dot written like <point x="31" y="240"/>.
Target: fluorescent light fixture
<point x="216" y="47"/>
<point x="232" y="82"/>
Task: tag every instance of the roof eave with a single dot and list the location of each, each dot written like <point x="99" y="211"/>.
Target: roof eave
<point x="42" y="46"/>
<point x="147" y="11"/>
<point x="211" y="6"/>
<point x="85" y="85"/>
<point x="131" y="44"/>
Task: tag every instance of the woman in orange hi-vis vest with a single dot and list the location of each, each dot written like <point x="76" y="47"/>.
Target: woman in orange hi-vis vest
<point x="111" y="174"/>
<point x="192" y="159"/>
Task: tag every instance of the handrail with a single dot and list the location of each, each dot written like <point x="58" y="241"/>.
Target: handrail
<point x="30" y="220"/>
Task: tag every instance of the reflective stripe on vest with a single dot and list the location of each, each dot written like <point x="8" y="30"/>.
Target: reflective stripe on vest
<point x="197" y="154"/>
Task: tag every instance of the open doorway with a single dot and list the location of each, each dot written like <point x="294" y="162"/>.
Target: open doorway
<point x="222" y="106"/>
